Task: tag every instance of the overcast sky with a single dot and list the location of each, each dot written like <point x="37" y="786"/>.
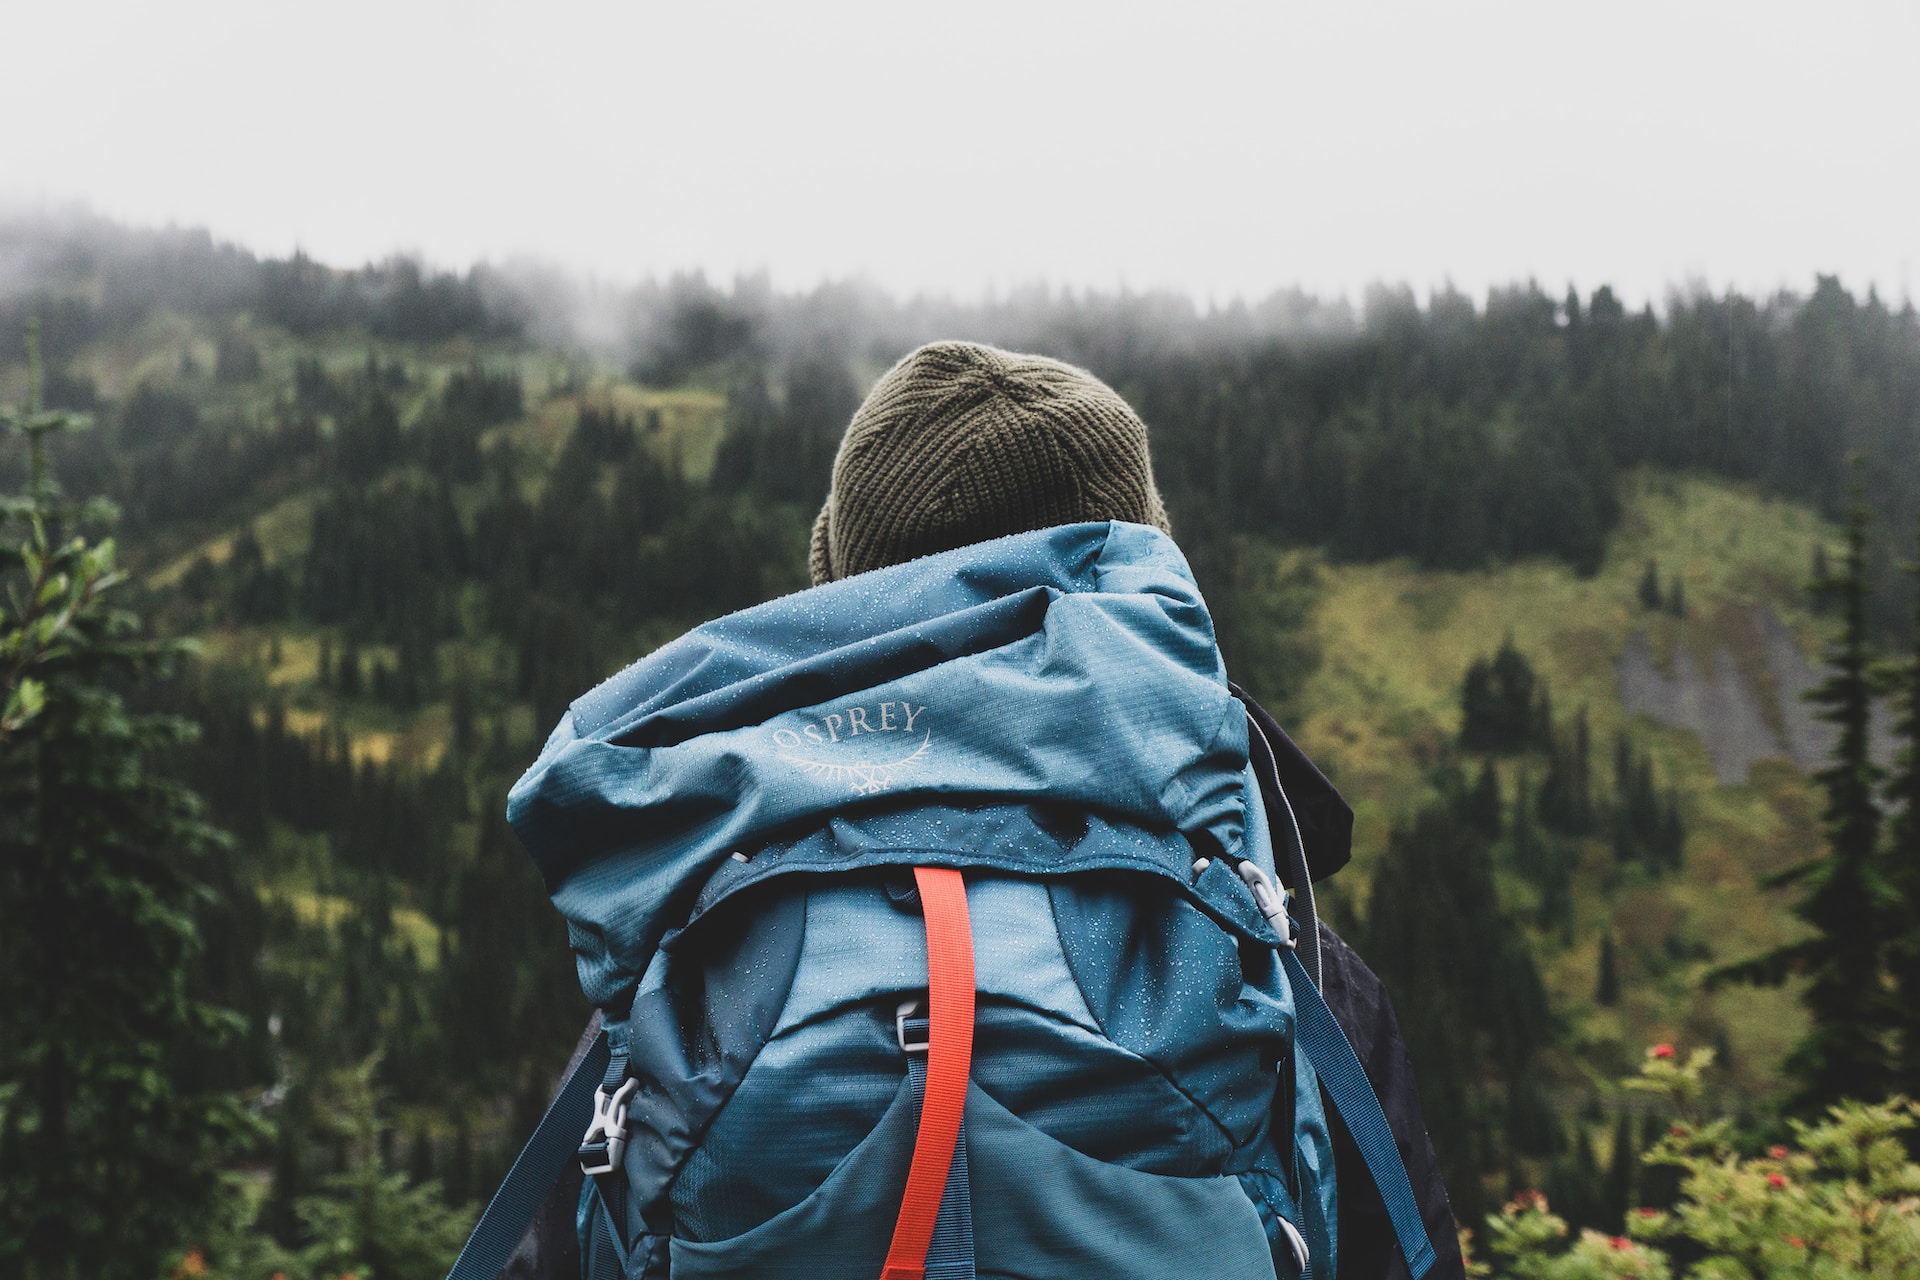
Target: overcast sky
<point x="1220" y="149"/>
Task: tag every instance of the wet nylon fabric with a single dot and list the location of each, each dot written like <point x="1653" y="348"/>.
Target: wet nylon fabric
<point x="1073" y="666"/>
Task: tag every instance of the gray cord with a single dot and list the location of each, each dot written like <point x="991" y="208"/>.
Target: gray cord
<point x="1309" y="942"/>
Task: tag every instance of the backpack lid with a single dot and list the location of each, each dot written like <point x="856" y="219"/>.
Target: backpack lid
<point x="1072" y="666"/>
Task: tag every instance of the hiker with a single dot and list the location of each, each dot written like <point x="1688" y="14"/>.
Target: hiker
<point x="933" y="912"/>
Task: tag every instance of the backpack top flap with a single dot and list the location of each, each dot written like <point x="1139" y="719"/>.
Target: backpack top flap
<point x="1072" y="666"/>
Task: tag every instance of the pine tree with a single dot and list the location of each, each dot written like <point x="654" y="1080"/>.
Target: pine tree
<point x="1650" y="587"/>
<point x="1903" y="852"/>
<point x="1847" y="1051"/>
<point x="1606" y="991"/>
<point x="1470" y="999"/>
<point x="1483" y="802"/>
<point x="109" y="1152"/>
<point x="1616" y="1189"/>
<point x="1498" y="711"/>
<point x="1573" y="1184"/>
<point x="1566" y="803"/>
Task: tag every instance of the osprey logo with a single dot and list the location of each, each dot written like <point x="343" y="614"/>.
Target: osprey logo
<point x="826" y="748"/>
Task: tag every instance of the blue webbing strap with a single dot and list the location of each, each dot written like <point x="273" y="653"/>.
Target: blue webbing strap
<point x="554" y="1142"/>
<point x="1339" y="1069"/>
<point x="950" y="1256"/>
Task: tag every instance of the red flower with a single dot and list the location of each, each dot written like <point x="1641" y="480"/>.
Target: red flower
<point x="1678" y="1131"/>
<point x="1620" y="1242"/>
<point x="1796" y="1242"/>
<point x="1662" y="1051"/>
<point x="1777" y="1152"/>
<point x="1646" y="1212"/>
<point x="1776" y="1180"/>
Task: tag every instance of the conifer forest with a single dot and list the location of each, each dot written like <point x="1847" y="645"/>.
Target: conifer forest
<point x="1603" y="618"/>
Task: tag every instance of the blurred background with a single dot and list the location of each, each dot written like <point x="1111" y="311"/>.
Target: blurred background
<point x="1512" y="372"/>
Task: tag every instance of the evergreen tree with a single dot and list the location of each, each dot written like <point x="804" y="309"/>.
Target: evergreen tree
<point x="1646" y="826"/>
<point x="110" y="1146"/>
<point x="1573" y="1184"/>
<point x="1616" y="1190"/>
<point x="1846" y="1053"/>
<point x="348" y="681"/>
<point x="1483" y="804"/>
<point x="1566" y="804"/>
<point x="1606" y="991"/>
<point x="1903" y="852"/>
<point x="1473" y="1008"/>
<point x="1650" y="587"/>
<point x="1677" y="598"/>
<point x="1820" y="574"/>
<point x="1497" y="702"/>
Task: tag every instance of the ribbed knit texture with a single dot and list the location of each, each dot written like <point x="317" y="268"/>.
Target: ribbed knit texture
<point x="961" y="442"/>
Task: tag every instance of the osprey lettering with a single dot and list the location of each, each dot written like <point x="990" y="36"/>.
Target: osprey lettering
<point x="824" y="748"/>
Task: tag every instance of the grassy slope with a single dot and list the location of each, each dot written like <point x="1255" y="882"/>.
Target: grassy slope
<point x="1395" y="642"/>
<point x="690" y="418"/>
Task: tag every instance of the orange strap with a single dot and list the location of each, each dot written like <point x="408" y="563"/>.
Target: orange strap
<point x="943" y="902"/>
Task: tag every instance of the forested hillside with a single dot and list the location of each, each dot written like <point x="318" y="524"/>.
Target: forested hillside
<point x="408" y="516"/>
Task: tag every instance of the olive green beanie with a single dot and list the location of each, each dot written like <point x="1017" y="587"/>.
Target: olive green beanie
<point x="960" y="442"/>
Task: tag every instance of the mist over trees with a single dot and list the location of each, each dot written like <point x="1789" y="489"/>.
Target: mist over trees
<point x="1455" y="432"/>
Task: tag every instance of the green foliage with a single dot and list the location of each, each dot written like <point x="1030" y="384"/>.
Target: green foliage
<point x="114" y="1128"/>
<point x="369" y="1220"/>
<point x="366" y="1220"/>
<point x="1839" y="1201"/>
<point x="1527" y="1242"/>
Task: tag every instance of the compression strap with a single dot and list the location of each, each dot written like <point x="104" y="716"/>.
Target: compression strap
<point x="949" y="1049"/>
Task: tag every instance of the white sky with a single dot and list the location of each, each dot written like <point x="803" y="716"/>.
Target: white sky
<point x="1221" y="149"/>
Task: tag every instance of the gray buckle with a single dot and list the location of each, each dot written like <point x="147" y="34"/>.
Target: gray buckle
<point x="900" y="1016"/>
<point x="606" y="1138"/>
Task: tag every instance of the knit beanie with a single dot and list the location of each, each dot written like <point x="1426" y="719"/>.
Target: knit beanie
<point x="961" y="442"/>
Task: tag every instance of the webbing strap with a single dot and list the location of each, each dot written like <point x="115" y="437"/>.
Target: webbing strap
<point x="1334" y="1061"/>
<point x="534" y="1172"/>
<point x="950" y="1256"/>
<point x="943" y="904"/>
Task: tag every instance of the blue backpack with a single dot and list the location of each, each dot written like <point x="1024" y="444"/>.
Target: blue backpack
<point x="932" y="915"/>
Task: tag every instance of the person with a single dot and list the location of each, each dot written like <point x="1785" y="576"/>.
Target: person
<point x="961" y="444"/>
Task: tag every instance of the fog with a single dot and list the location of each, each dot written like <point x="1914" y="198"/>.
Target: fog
<point x="1219" y="152"/>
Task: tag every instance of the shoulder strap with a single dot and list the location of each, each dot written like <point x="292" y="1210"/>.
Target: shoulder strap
<point x="554" y="1142"/>
<point x="1317" y="1032"/>
<point x="1319" y="1036"/>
